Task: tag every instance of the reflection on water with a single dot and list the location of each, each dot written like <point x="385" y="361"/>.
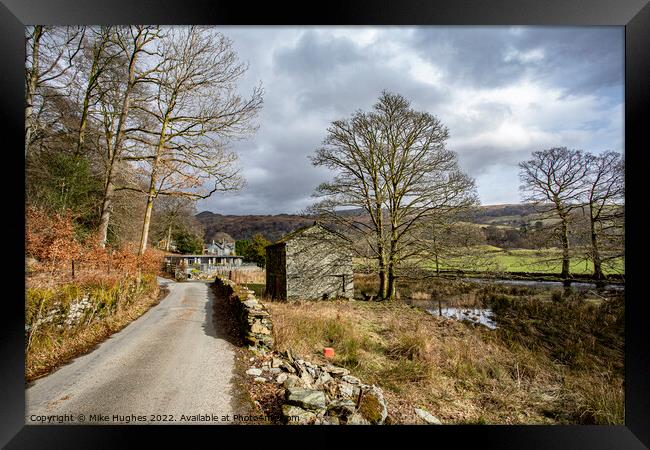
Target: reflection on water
<point x="483" y="316"/>
<point x="476" y="315"/>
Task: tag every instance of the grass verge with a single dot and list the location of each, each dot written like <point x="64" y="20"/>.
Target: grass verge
<point x="51" y="343"/>
<point x="547" y="363"/>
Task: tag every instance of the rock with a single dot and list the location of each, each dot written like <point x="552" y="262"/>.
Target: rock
<point x="323" y="378"/>
<point x="331" y="389"/>
<point x="252" y="304"/>
<point x="350" y="379"/>
<point x="306" y="379"/>
<point x="281" y="378"/>
<point x="292" y="381"/>
<point x="260" y="379"/>
<point x="254" y="372"/>
<point x="259" y="329"/>
<point x="306" y="398"/>
<point x="288" y="367"/>
<point x="336" y="371"/>
<point x="295" y="415"/>
<point x="328" y="421"/>
<point x="356" y="419"/>
<point x="341" y="407"/>
<point x="372" y="405"/>
<point x="276" y="362"/>
<point x="427" y="416"/>
<point x="251" y="359"/>
<point x="275" y="370"/>
<point x="345" y="389"/>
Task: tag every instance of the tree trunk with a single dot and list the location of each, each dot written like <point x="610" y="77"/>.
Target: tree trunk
<point x="565" y="249"/>
<point x="595" y="253"/>
<point x="147" y="219"/>
<point x="107" y="206"/>
<point x="31" y="86"/>
<point x="392" y="262"/>
<point x="381" y="250"/>
<point x="169" y="237"/>
<point x="152" y="184"/>
<point x="383" y="282"/>
<point x="392" y="282"/>
<point x="92" y="78"/>
<point x="119" y="137"/>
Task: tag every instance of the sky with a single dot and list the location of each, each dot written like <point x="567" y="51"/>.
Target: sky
<point x="503" y="92"/>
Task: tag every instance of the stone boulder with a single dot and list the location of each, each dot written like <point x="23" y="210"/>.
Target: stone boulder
<point x="310" y="399"/>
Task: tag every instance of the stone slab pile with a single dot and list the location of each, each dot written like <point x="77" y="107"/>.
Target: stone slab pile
<point x="322" y="394"/>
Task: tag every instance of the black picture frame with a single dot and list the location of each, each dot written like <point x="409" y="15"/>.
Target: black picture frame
<point x="634" y="15"/>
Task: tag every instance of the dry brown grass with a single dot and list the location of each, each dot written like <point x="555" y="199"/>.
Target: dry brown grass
<point x="248" y="276"/>
<point x="49" y="346"/>
<point x="460" y="373"/>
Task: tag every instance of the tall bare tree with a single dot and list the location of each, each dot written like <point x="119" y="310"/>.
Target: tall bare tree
<point x="392" y="163"/>
<point x="134" y="42"/>
<point x="352" y="149"/>
<point x="554" y="179"/>
<point x="193" y="114"/>
<point x="604" y="198"/>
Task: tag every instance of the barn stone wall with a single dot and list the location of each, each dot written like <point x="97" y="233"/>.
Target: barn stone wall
<point x="318" y="266"/>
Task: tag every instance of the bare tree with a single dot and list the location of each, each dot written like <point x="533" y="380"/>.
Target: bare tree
<point x="556" y="177"/>
<point x="134" y="42"/>
<point x="101" y="54"/>
<point x="392" y="163"/>
<point x="423" y="179"/>
<point x="193" y="113"/>
<point x="352" y="149"/>
<point x="452" y="245"/>
<point x="49" y="55"/>
<point x="171" y="214"/>
<point x="604" y="199"/>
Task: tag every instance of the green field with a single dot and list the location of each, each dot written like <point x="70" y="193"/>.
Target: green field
<point x="495" y="259"/>
<point x="548" y="261"/>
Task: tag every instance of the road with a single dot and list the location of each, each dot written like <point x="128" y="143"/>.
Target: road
<point x="172" y="361"/>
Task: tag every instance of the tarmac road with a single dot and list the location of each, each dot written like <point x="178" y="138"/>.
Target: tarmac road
<point x="168" y="363"/>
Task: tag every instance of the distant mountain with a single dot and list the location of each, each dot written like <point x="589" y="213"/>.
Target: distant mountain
<point x="273" y="227"/>
<point x="244" y="227"/>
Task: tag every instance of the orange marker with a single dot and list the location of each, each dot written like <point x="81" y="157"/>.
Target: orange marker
<point x="328" y="352"/>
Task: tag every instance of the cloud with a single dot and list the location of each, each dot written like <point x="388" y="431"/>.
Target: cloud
<point x="503" y="92"/>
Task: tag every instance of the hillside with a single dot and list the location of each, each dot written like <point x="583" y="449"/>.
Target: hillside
<point x="273" y="227"/>
<point x="244" y="227"/>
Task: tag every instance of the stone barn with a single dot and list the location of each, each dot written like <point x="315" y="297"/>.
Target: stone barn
<point x="311" y="263"/>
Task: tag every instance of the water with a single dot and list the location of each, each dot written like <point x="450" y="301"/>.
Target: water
<point x="483" y="316"/>
<point x="577" y="285"/>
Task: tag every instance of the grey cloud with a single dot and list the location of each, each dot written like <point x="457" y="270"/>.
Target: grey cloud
<point x="578" y="59"/>
<point x="311" y="78"/>
<point x="313" y="55"/>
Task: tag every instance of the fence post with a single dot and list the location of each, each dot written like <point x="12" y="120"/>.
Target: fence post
<point x="73" y="268"/>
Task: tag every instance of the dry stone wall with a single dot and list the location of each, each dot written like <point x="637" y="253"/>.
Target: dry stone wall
<point x="254" y="320"/>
